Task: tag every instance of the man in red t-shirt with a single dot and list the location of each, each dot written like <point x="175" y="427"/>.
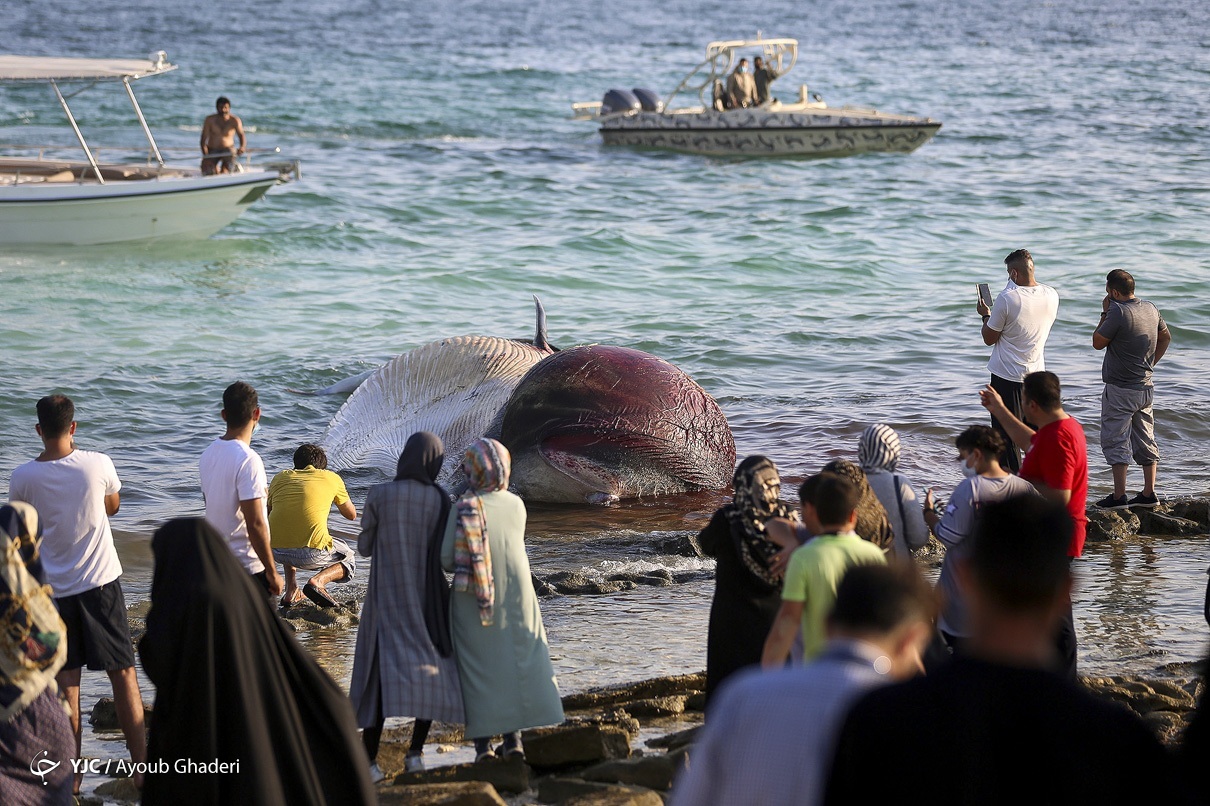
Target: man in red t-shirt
<point x="1056" y="463"/>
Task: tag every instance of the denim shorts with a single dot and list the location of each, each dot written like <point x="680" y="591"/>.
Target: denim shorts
<point x="309" y="559"/>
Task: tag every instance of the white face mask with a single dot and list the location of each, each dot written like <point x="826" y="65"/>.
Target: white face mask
<point x="256" y="426"/>
<point x="967" y="471"/>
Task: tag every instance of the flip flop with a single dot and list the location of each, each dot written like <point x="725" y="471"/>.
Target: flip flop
<point x="320" y="598"/>
<point x="285" y="605"/>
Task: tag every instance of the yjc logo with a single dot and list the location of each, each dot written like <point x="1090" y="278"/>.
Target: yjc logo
<point x="43" y="767"/>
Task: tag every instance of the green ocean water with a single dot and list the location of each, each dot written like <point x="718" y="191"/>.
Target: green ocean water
<point x="444" y="185"/>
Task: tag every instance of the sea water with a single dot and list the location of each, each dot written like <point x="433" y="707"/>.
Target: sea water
<point x="444" y="184"/>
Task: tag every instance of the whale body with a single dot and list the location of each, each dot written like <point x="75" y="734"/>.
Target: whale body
<point x="590" y="424"/>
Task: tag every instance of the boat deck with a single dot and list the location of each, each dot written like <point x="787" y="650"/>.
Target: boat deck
<point x="15" y="171"/>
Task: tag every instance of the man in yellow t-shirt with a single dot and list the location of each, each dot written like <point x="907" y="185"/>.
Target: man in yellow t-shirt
<point x="299" y="503"/>
<point x="829" y="502"/>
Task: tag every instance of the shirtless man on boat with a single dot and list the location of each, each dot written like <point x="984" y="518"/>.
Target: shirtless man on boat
<point x="218" y="136"/>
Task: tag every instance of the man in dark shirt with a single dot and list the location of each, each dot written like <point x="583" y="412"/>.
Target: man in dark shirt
<point x="1004" y="728"/>
<point x="1135" y="338"/>
<point x="764" y="77"/>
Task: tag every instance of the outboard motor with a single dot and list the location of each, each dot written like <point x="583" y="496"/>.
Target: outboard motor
<point x="619" y="101"/>
<point x="650" y="101"/>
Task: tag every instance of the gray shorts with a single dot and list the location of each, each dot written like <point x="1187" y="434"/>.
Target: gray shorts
<point x="309" y="559"/>
<point x="1128" y="426"/>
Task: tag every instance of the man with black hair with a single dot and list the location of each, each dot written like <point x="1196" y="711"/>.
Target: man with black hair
<point x="299" y="501"/>
<point x="1016" y="328"/>
<point x="816" y="568"/>
<point x="234" y="487"/>
<point x="75" y="491"/>
<point x="769" y="737"/>
<point x="1008" y="729"/>
<point x="1056" y="463"/>
<point x="1133" y="334"/>
<point x="218" y="137"/>
<point x="763" y="78"/>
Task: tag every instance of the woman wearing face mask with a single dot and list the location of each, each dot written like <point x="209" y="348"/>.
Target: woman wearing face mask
<point x="979" y="447"/>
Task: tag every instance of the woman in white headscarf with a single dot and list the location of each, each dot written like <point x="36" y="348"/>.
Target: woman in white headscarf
<point x="508" y="682"/>
<point x="878" y="455"/>
<point x="36" y="740"/>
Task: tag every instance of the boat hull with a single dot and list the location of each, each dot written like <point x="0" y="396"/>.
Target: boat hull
<point x="179" y="208"/>
<point x="759" y="133"/>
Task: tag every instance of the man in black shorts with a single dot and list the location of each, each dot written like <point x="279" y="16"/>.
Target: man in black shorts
<point x="75" y="491"/>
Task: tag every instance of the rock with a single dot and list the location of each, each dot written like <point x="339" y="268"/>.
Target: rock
<point x="617" y="796"/>
<point x="505" y="774"/>
<point x="123" y="790"/>
<point x="454" y="793"/>
<point x="560" y="790"/>
<point x="104" y="714"/>
<point x="651" y="772"/>
<point x="696" y="702"/>
<point x="673" y="741"/>
<point x="575" y="583"/>
<point x="683" y="545"/>
<point x="1194" y="509"/>
<point x="306" y="616"/>
<point x="1152" y="522"/>
<point x="656" y="706"/>
<point x="680" y="577"/>
<point x="1111" y="524"/>
<point x="644" y="689"/>
<point x="551" y="748"/>
<point x="615" y="717"/>
<point x="660" y="577"/>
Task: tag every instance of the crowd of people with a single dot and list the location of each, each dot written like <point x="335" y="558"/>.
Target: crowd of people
<point x="816" y="611"/>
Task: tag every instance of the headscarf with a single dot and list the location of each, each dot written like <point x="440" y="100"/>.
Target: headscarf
<point x="421" y="461"/>
<point x="878" y="449"/>
<point x="487" y="464"/>
<point x="33" y="639"/>
<point x="754" y="502"/>
<point x="233" y="685"/>
<point x="872" y="521"/>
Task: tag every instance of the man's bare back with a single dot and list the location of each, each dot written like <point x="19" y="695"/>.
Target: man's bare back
<point x="218" y="136"/>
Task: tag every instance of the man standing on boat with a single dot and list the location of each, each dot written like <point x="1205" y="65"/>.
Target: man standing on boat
<point x="218" y="137"/>
<point x="1016" y="328"/>
<point x="741" y="88"/>
<point x="763" y="78"/>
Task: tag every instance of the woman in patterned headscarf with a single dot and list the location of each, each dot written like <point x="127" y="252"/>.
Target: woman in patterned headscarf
<point x="747" y="579"/>
<point x="872" y="521"/>
<point x="508" y="682"/>
<point x="36" y="740"/>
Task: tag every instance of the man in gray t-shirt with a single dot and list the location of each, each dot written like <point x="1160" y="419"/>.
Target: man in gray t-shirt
<point x="1135" y="338"/>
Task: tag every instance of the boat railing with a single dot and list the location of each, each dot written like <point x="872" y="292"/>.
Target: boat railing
<point x="39" y="168"/>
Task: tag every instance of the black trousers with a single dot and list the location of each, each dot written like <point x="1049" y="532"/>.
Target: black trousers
<point x="1011" y="392"/>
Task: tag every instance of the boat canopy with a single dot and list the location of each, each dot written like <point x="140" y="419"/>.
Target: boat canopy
<point x="781" y="54"/>
<point x="44" y="68"/>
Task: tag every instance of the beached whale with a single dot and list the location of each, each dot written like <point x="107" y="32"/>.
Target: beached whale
<point x="594" y="423"/>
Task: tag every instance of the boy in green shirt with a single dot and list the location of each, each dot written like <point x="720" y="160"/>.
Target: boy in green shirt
<point x="829" y="502"/>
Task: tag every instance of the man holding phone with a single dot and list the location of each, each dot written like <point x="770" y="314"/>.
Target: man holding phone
<point x="1016" y="327"/>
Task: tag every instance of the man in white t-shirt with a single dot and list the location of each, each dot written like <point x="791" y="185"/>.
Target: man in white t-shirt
<point x="75" y="492"/>
<point x="1016" y="328"/>
<point x="235" y="487"/>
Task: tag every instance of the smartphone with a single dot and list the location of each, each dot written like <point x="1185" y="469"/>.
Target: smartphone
<point x="985" y="294"/>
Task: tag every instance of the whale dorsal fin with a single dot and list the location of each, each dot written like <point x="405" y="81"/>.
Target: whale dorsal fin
<point x="540" y="326"/>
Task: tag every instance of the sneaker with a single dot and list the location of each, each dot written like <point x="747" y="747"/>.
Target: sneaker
<point x="1109" y="502"/>
<point x="1147" y="501"/>
<point x="377" y="776"/>
<point x="413" y="763"/>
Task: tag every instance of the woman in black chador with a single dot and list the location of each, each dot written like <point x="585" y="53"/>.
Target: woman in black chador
<point x="747" y="581"/>
<point x="243" y="714"/>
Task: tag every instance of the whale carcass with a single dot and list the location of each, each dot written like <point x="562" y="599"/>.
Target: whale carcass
<point x="594" y="423"/>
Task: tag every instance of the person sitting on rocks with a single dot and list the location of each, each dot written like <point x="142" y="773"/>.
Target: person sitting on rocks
<point x="299" y="502"/>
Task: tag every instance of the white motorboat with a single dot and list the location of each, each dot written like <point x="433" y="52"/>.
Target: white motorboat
<point x="805" y="127"/>
<point x="45" y="201"/>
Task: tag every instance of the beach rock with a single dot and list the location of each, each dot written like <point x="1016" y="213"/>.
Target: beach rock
<point x="660" y="577"/>
<point x="1154" y="522"/>
<point x="696" y="702"/>
<point x="104" y="714"/>
<point x="680" y="577"/>
<point x="454" y="793"/>
<point x="557" y="789"/>
<point x="651" y="772"/>
<point x="122" y="790"/>
<point x="683" y="545"/>
<point x="551" y="748"/>
<point x="1111" y="524"/>
<point x="656" y="706"/>
<point x="644" y="689"/>
<point x="673" y="741"/>
<point x="617" y="796"/>
<point x="1194" y="509"/>
<point x="505" y="774"/>
<point x="575" y="583"/>
<point x="614" y="717"/>
<point x="305" y="616"/>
